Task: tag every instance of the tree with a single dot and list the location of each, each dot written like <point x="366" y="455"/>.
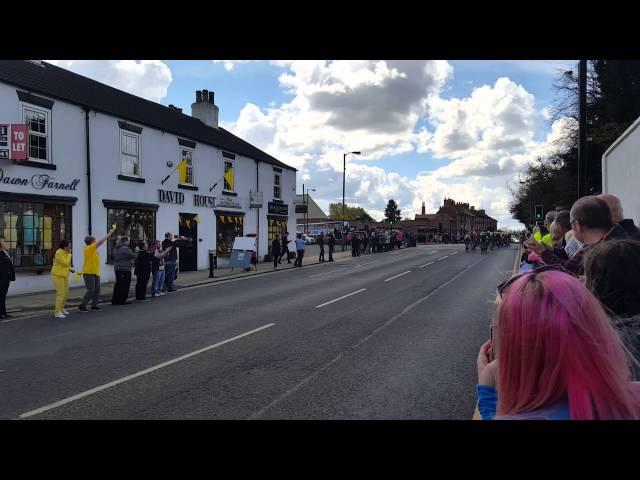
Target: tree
<point x="392" y="212"/>
<point x="350" y="213"/>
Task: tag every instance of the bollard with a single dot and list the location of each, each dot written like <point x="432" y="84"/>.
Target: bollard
<point x="213" y="260"/>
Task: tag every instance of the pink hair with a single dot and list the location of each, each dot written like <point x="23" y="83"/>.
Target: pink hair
<point x="555" y="341"/>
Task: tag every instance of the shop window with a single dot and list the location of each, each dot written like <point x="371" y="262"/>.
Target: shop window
<point x="277" y="228"/>
<point x="135" y="223"/>
<point x="228" y="227"/>
<point x="32" y="231"/>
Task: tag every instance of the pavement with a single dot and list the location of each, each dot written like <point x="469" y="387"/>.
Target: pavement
<point x="383" y="336"/>
<point x="26" y="304"/>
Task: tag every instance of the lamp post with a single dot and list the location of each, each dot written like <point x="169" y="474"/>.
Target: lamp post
<point x="582" y="122"/>
<point x="344" y="171"/>
<point x="306" y="214"/>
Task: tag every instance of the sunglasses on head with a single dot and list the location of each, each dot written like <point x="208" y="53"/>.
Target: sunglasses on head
<point x="545" y="268"/>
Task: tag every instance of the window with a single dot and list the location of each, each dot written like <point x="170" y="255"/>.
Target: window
<point x="37" y="121"/>
<point x="135" y="223"/>
<point x="228" y="175"/>
<point x="276" y="186"/>
<point x="186" y="154"/>
<point x="228" y="227"/>
<point x="32" y="231"/>
<point x="277" y="228"/>
<point x="130" y="153"/>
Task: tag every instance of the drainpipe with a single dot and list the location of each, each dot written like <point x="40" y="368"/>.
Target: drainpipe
<point x="86" y="118"/>
<point x="258" y="210"/>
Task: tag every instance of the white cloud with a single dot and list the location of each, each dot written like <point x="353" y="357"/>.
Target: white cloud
<point x="149" y="79"/>
<point x="374" y="106"/>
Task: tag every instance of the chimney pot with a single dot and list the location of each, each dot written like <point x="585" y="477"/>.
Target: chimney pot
<point x="198" y="96"/>
<point x="211" y="98"/>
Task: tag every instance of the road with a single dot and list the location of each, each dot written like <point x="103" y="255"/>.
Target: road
<point x="383" y="336"/>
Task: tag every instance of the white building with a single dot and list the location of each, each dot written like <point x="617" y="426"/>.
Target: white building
<point x="621" y="171"/>
<point x="98" y="156"/>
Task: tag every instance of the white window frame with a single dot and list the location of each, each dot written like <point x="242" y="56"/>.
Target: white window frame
<point x="191" y="166"/>
<point x="277" y="185"/>
<point x="127" y="133"/>
<point x="233" y="166"/>
<point x="47" y="113"/>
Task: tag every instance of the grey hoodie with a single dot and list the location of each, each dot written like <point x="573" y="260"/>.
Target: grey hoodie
<point x="122" y="257"/>
<point x="629" y="330"/>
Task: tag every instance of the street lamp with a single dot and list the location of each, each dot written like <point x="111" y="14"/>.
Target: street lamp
<point x="306" y="214"/>
<point x="344" y="171"/>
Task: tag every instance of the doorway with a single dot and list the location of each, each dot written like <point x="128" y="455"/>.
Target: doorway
<point x="188" y="228"/>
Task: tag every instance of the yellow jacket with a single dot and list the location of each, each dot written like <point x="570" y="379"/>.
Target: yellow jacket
<point x="61" y="263"/>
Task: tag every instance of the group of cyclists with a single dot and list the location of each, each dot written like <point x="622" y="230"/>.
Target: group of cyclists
<point x="485" y="240"/>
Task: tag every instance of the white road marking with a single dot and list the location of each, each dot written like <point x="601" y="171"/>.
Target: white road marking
<point x="327" y="273"/>
<point x="431" y="253"/>
<point x="442" y="258"/>
<point x="140" y="373"/>
<point x="336" y="359"/>
<point x="426" y="265"/>
<point x="393" y="253"/>
<point x="455" y="253"/>
<point x="21" y="318"/>
<point x="396" y="276"/>
<point x="363" y="264"/>
<point x="340" y="298"/>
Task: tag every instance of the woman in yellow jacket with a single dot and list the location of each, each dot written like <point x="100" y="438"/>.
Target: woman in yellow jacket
<point x="60" y="275"/>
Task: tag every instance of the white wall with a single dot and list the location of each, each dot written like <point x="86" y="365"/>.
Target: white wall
<point x="621" y="171"/>
<point x="67" y="123"/>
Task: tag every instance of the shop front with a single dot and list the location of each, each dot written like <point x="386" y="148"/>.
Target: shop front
<point x="33" y="226"/>
<point x="229" y="225"/>
<point x="277" y="219"/>
<point x="130" y="219"/>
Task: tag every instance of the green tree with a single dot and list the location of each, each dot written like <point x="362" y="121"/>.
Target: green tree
<point x="350" y="212"/>
<point x="392" y="212"/>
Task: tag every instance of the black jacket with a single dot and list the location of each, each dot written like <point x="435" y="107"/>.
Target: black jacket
<point x="173" y="254"/>
<point x="321" y="240"/>
<point x="331" y="242"/>
<point x="7" y="272"/>
<point x="630" y="228"/>
<point x="144" y="261"/>
<point x="275" y="247"/>
<point x="284" y="241"/>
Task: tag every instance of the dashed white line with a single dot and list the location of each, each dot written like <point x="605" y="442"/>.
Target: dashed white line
<point x="139" y="374"/>
<point x="455" y="253"/>
<point x="431" y="253"/>
<point x="426" y="265"/>
<point x="363" y="264"/>
<point x="442" y="258"/>
<point x="327" y="273"/>
<point x="396" y="276"/>
<point x="340" y="298"/>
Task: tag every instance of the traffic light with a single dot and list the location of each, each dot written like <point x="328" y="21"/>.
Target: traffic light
<point x="539" y="213"/>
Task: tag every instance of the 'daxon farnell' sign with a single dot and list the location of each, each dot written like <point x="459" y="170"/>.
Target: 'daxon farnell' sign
<point x="40" y="181"/>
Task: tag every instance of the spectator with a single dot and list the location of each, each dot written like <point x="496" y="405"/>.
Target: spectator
<point x="142" y="271"/>
<point x="60" y="275"/>
<point x="591" y="222"/>
<point x="332" y="245"/>
<point x="543" y="234"/>
<point x="560" y="375"/>
<point x="171" y="260"/>
<point x="91" y="271"/>
<point x="275" y="251"/>
<point x="7" y="275"/>
<point x="618" y="217"/>
<point x="284" y="247"/>
<point x="157" y="269"/>
<point x="321" y="245"/>
<point x="612" y="273"/>
<point x="122" y="257"/>
<point x="559" y="228"/>
<point x="300" y="244"/>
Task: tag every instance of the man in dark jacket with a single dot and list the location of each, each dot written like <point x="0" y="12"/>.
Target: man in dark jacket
<point x="7" y="275"/>
<point x="591" y="222"/>
<point x="122" y="257"/>
<point x="321" y="245"/>
<point x="142" y="271"/>
<point x="171" y="260"/>
<point x="275" y="251"/>
<point x="617" y="216"/>
<point x="332" y="245"/>
<point x="284" y="247"/>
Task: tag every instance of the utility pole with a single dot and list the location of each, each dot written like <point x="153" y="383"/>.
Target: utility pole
<point x="582" y="149"/>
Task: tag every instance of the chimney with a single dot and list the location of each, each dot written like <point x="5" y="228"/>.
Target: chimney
<point x="204" y="109"/>
<point x="423" y="209"/>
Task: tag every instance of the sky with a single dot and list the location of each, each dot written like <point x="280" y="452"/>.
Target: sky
<point x="426" y="129"/>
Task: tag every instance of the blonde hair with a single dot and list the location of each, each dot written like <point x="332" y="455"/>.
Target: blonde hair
<point x="557" y="234"/>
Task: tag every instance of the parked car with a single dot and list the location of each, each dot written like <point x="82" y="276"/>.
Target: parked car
<point x="309" y="240"/>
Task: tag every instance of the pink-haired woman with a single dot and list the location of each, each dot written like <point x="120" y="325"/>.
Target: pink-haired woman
<point x="557" y="355"/>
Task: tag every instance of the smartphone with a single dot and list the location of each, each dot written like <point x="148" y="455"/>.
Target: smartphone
<point x="492" y="355"/>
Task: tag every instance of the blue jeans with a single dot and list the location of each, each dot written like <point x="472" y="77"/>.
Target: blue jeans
<point x="169" y="275"/>
<point x="158" y="280"/>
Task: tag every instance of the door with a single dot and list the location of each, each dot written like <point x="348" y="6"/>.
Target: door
<point x="188" y="228"/>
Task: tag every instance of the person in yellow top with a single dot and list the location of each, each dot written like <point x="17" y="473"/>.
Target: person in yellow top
<point x="91" y="271"/>
<point x="537" y="234"/>
<point x="60" y="275"/>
